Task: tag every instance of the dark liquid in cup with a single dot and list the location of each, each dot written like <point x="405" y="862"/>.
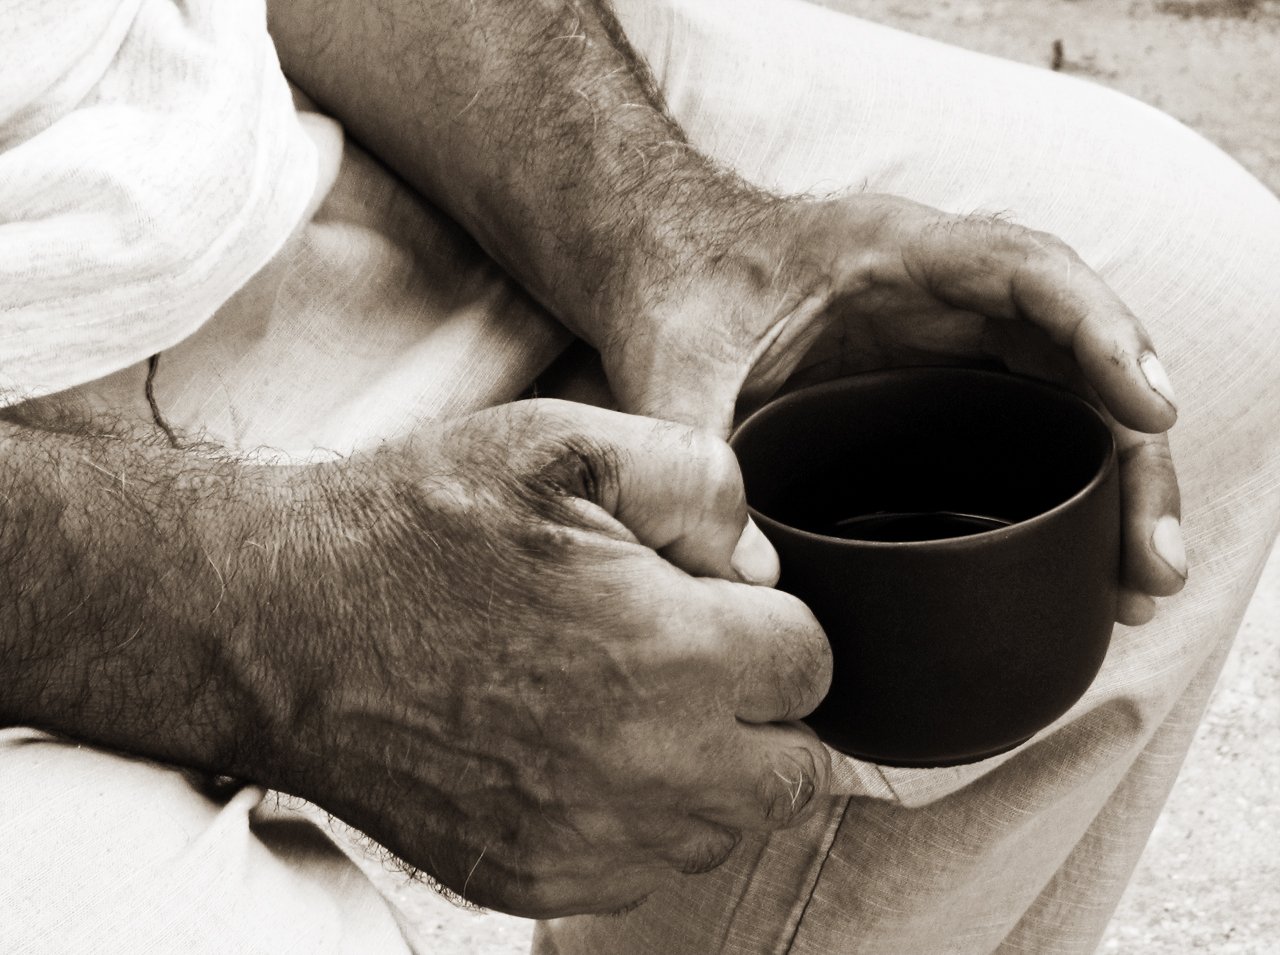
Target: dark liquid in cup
<point x="897" y="527"/>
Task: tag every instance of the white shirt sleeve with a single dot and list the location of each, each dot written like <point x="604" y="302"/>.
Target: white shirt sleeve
<point x="151" y="161"/>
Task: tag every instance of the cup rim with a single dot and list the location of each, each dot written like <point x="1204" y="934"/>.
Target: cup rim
<point x="1100" y="475"/>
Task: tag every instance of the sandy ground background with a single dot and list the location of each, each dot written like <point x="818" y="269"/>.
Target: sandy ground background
<point x="1210" y="878"/>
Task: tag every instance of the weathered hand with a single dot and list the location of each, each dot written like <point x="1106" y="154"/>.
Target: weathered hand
<point x="815" y="290"/>
<point x="564" y="691"/>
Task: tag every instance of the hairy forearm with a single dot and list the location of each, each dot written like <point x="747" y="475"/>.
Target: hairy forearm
<point x="534" y="124"/>
<point x="137" y="582"/>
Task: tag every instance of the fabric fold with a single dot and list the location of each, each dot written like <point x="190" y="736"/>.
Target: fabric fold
<point x="134" y="203"/>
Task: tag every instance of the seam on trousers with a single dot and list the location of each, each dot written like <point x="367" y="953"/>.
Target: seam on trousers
<point x="823" y="855"/>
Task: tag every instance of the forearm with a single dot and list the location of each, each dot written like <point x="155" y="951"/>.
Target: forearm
<point x="534" y="124"/>
<point x="138" y="581"/>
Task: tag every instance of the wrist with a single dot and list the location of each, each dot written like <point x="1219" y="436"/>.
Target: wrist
<point x="364" y="552"/>
<point x="719" y="325"/>
<point x="137" y="613"/>
<point x="690" y="242"/>
<point x="227" y="620"/>
<point x="269" y="628"/>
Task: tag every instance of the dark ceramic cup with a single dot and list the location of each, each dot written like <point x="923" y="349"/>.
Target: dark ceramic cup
<point x="947" y="649"/>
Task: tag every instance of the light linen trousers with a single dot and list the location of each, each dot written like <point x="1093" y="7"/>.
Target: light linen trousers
<point x="378" y="312"/>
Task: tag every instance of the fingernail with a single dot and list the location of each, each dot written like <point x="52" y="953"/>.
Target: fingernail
<point x="1166" y="539"/>
<point x="754" y="559"/>
<point x="1158" y="378"/>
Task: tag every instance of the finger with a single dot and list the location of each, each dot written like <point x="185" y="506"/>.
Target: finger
<point x="693" y="847"/>
<point x="679" y="491"/>
<point x="1134" y="609"/>
<point x="771" y="776"/>
<point x="1055" y="288"/>
<point x="1154" y="559"/>
<point x="598" y="887"/>
<point x="1027" y="349"/>
<point x="1008" y="271"/>
<point x="779" y="655"/>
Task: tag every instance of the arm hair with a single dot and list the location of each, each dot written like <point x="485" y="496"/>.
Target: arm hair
<point x="537" y="126"/>
<point x="137" y="580"/>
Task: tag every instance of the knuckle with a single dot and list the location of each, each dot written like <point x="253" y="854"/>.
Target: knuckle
<point x="578" y="465"/>
<point x="785" y="695"/>
<point x="814" y="652"/>
<point x="812" y="687"/>
<point x="994" y="231"/>
<point x="709" y="852"/>
<point x="1048" y="243"/>
<point x="716" y="476"/>
<point x="533" y="902"/>
<point x="719" y="462"/>
<point x="788" y="789"/>
<point x="1040" y="252"/>
<point x="629" y="904"/>
<point x="808" y="656"/>
<point x="1032" y="246"/>
<point x="1152" y="451"/>
<point x="548" y="539"/>
<point x="511" y="889"/>
<point x="545" y="891"/>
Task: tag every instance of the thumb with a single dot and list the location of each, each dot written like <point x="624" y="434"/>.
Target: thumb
<point x="679" y="491"/>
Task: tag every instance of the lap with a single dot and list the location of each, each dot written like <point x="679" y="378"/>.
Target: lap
<point x="104" y="853"/>
<point x="800" y="99"/>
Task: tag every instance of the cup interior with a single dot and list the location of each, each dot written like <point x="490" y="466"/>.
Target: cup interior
<point x="919" y="441"/>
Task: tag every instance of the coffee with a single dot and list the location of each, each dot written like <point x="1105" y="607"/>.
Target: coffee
<point x="898" y="527"/>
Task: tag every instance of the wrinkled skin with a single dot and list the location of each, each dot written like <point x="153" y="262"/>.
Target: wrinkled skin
<point x="810" y="290"/>
<point x="551" y="716"/>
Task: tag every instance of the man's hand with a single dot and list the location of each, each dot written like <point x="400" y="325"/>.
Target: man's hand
<point x="545" y="714"/>
<point x="822" y="289"/>
<point x="516" y="650"/>
<point x="537" y="127"/>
